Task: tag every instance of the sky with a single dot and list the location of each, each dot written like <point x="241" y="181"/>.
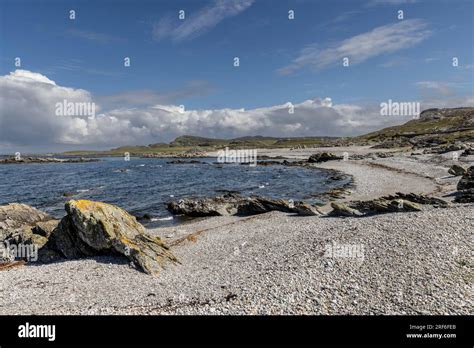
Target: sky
<point x="182" y="77"/>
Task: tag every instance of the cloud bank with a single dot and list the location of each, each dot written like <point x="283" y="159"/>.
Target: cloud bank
<point x="28" y="119"/>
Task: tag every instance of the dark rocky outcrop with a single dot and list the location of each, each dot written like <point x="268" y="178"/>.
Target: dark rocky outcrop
<point x="456" y="170"/>
<point x="384" y="205"/>
<point x="465" y="187"/>
<point x="446" y="148"/>
<point x="96" y="228"/>
<point x="341" y="209"/>
<point x="400" y="202"/>
<point x="467" y="180"/>
<point x="23" y="160"/>
<point x="468" y="152"/>
<point x="418" y="198"/>
<point x="234" y="204"/>
<point x="178" y="161"/>
<point x="323" y="157"/>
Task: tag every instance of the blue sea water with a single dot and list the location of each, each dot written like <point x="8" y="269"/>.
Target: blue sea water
<point x="145" y="185"/>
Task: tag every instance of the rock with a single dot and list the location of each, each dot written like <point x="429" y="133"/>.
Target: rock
<point x="445" y="148"/>
<point x="178" y="161"/>
<point x="465" y="196"/>
<point x="468" y="152"/>
<point x="401" y="202"/>
<point x="218" y="206"/>
<point x="467" y="180"/>
<point x="465" y="187"/>
<point x="305" y="209"/>
<point x="234" y="204"/>
<point x="17" y="221"/>
<point x="144" y="217"/>
<point x="456" y="170"/>
<point x="45" y="228"/>
<point x="268" y="163"/>
<point x="340" y="209"/>
<point x="418" y="198"/>
<point x="38" y="240"/>
<point x="323" y="157"/>
<point x="23" y="160"/>
<point x="258" y="205"/>
<point x="96" y="228"/>
<point x="384" y="205"/>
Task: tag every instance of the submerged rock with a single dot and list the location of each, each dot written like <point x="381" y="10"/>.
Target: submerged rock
<point x="96" y="228"/>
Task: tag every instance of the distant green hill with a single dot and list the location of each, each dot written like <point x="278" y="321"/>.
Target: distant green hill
<point x="433" y="127"/>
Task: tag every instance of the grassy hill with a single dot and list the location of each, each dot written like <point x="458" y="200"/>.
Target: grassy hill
<point x="433" y="127"/>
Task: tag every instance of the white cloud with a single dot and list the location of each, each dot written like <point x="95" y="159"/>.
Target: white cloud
<point x="390" y="2"/>
<point x="381" y="40"/>
<point x="28" y="120"/>
<point x="93" y="36"/>
<point x="436" y="87"/>
<point x="196" y="24"/>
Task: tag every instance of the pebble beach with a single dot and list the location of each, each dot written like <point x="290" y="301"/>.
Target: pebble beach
<point x="278" y="263"/>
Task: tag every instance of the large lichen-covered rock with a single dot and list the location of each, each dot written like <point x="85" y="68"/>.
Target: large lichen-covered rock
<point x="95" y="228"/>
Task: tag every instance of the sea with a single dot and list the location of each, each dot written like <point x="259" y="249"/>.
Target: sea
<point x="145" y="185"/>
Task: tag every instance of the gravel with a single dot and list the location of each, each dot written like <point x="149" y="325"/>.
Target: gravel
<point x="276" y="263"/>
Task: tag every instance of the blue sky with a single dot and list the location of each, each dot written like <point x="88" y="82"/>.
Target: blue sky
<point x="88" y="52"/>
<point x="190" y="61"/>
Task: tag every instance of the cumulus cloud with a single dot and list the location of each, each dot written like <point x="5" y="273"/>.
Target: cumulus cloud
<point x="381" y="40"/>
<point x="200" y="22"/>
<point x="28" y="119"/>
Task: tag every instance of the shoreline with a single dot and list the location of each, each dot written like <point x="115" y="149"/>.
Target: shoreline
<point x="275" y="263"/>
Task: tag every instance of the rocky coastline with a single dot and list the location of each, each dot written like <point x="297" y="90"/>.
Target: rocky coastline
<point x="93" y="235"/>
